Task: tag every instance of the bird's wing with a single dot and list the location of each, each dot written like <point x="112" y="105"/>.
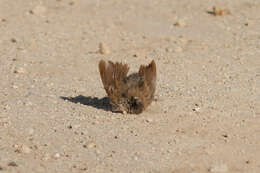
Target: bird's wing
<point x="112" y="74"/>
<point x="149" y="74"/>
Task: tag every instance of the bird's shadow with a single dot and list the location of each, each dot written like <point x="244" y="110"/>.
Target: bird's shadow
<point x="99" y="103"/>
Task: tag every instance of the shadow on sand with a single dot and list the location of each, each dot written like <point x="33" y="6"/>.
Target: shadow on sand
<point x="95" y="102"/>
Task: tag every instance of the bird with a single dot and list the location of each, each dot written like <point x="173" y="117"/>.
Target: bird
<point x="128" y="93"/>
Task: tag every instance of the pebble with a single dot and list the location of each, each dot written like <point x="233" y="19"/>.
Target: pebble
<point x="56" y="155"/>
<point x="219" y="168"/>
<point x="15" y="87"/>
<point x="135" y="158"/>
<point x="98" y="151"/>
<point x="219" y="11"/>
<point x="196" y="109"/>
<point x="183" y="40"/>
<point x="12" y="164"/>
<point x="168" y="49"/>
<point x="28" y="103"/>
<point x="13" y="40"/>
<point x="149" y="120"/>
<point x="103" y="49"/>
<point x="25" y="149"/>
<point x="39" y="10"/>
<point x="46" y="157"/>
<point x="22" y="149"/>
<point x="30" y="131"/>
<point x="20" y="70"/>
<point x="178" y="49"/>
<point x="210" y="151"/>
<point x="91" y="145"/>
<point x="180" y="23"/>
<point x="7" y="107"/>
<point x="248" y="162"/>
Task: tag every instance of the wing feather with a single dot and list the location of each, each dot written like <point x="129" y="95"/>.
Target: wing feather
<point x="112" y="74"/>
<point x="149" y="74"/>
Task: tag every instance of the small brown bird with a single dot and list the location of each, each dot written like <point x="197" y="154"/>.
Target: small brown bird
<point x="132" y="93"/>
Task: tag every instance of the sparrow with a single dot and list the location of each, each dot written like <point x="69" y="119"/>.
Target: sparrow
<point x="128" y="93"/>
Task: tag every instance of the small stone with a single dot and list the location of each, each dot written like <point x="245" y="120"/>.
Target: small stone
<point x="219" y="168"/>
<point x="1" y="168"/>
<point x="95" y="122"/>
<point x="219" y="11"/>
<point x="39" y="10"/>
<point x="76" y="126"/>
<point x="25" y="149"/>
<point x="28" y="103"/>
<point x="15" y="87"/>
<point x="196" y="109"/>
<point x="170" y="38"/>
<point x="16" y="146"/>
<point x="178" y="49"/>
<point x="103" y="49"/>
<point x="56" y="155"/>
<point x="12" y="164"/>
<point x="30" y="131"/>
<point x="210" y="151"/>
<point x="225" y="135"/>
<point x="22" y="148"/>
<point x="91" y="145"/>
<point x="98" y="151"/>
<point x="149" y="120"/>
<point x="183" y="40"/>
<point x="50" y="84"/>
<point x="168" y="49"/>
<point x="13" y="40"/>
<point x="20" y="70"/>
<point x="46" y="157"/>
<point x="180" y="23"/>
<point x="7" y="107"/>
<point x="135" y="158"/>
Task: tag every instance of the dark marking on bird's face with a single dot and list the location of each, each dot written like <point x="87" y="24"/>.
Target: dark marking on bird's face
<point x="136" y="105"/>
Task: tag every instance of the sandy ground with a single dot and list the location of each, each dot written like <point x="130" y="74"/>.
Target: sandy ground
<point x="54" y="114"/>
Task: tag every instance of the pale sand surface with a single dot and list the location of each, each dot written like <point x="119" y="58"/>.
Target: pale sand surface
<point x="53" y="114"/>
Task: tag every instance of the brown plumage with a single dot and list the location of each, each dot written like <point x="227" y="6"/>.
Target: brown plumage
<point x="132" y="93"/>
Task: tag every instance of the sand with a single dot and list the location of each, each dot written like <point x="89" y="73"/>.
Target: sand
<point x="54" y="113"/>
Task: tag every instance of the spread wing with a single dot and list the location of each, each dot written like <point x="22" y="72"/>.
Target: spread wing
<point x="112" y="74"/>
<point x="149" y="74"/>
<point x="141" y="92"/>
